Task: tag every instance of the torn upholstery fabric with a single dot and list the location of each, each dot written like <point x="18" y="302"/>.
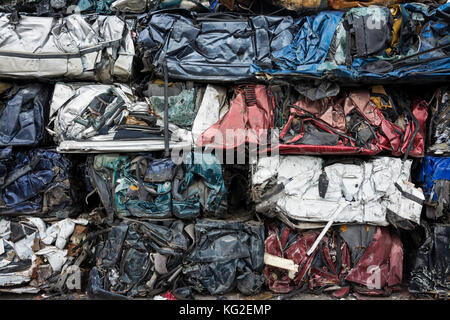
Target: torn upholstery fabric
<point x="309" y="189"/>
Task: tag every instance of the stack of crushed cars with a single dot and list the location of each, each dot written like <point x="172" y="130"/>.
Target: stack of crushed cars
<point x="170" y="149"/>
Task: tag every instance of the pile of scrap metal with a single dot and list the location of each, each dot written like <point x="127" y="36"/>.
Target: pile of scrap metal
<point x="431" y="272"/>
<point x="142" y="259"/>
<point x="156" y="243"/>
<point x="439" y="133"/>
<point x="148" y="187"/>
<point x="22" y="114"/>
<point x="67" y="7"/>
<point x="435" y="176"/>
<point x="365" y="259"/>
<point x="115" y="116"/>
<point x="35" y="254"/>
<point x="98" y="48"/>
<point x="37" y="182"/>
<point x="307" y="193"/>
<point x="292" y="6"/>
<point x="356" y="122"/>
<point x="39" y="234"/>
<point x="407" y="42"/>
<point x="348" y="190"/>
<point x="248" y="121"/>
<point x="108" y="118"/>
<point x="431" y="269"/>
<point x="336" y="121"/>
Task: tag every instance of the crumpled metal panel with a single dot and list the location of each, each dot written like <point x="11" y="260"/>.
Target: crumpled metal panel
<point x="376" y="191"/>
<point x="381" y="266"/>
<point x="347" y="4"/>
<point x="137" y="258"/>
<point x="226" y="255"/>
<point x="212" y="108"/>
<point x="301" y="6"/>
<point x="209" y="47"/>
<point x="316" y="271"/>
<point x="126" y="190"/>
<point x="22" y="114"/>
<point x="432" y="266"/>
<point x="64" y="7"/>
<point x="249" y="120"/>
<point x="434" y="174"/>
<point x="92" y="111"/>
<point x="181" y="107"/>
<point x="308" y="47"/>
<point x="95" y="118"/>
<point x="74" y="47"/>
<point x="319" y="47"/>
<point x="433" y="169"/>
<point x="36" y="182"/>
<point x="354" y="123"/>
<point x="371" y="263"/>
<point x="35" y="255"/>
<point x="439" y="132"/>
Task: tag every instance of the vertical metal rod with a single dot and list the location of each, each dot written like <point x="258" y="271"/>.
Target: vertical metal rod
<point x="166" y="110"/>
<point x="328" y="225"/>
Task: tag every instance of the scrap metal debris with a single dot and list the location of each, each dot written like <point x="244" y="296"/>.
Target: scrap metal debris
<point x="376" y="192"/>
<point x="170" y="149"/>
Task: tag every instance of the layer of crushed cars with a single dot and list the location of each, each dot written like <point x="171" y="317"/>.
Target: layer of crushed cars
<point x="171" y="149"/>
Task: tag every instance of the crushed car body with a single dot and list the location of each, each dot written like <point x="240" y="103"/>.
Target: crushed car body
<point x="23" y="113"/>
<point x="434" y="174"/>
<point x="35" y="255"/>
<point x="363" y="44"/>
<point x="106" y="118"/>
<point x="364" y="122"/>
<point x="365" y="259"/>
<point x="98" y="48"/>
<point x="352" y="191"/>
<point x="143" y="186"/>
<point x="141" y="258"/>
<point x="224" y="149"/>
<point x="37" y="182"/>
